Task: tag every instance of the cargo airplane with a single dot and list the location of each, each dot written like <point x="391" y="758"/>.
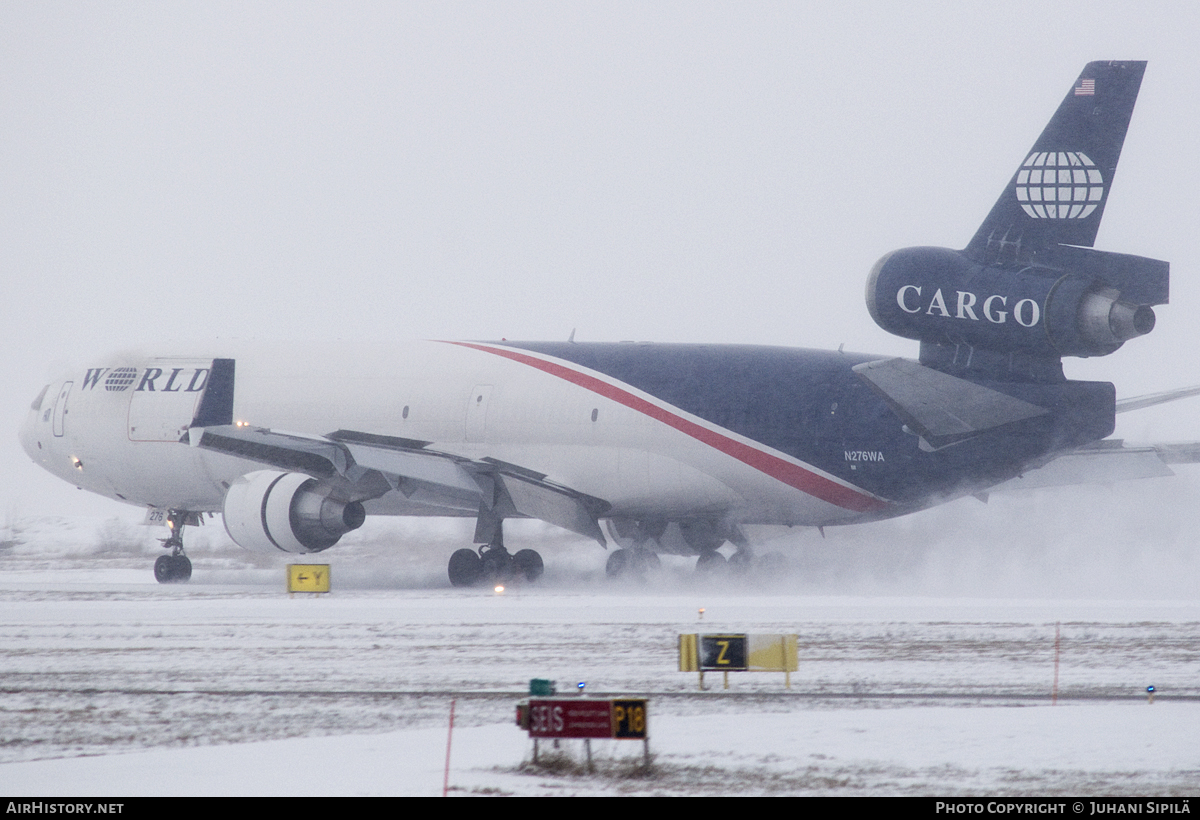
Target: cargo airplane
<point x="658" y="447"/>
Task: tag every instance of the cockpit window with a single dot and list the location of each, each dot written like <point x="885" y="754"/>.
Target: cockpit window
<point x="37" y="403"/>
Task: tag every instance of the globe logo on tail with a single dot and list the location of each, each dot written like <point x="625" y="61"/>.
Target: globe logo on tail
<point x="1059" y="185"/>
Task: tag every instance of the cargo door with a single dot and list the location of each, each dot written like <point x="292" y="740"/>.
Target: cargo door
<point x="170" y="394"/>
<point x="477" y="410"/>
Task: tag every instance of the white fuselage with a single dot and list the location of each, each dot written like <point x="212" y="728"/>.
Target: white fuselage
<point x="111" y="429"/>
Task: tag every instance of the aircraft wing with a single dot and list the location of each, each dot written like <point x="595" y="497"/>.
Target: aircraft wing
<point x="361" y="466"/>
<point x="1105" y="462"/>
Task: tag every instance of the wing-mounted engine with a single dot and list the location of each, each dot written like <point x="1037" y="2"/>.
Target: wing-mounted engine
<point x="270" y="511"/>
<point x="315" y="495"/>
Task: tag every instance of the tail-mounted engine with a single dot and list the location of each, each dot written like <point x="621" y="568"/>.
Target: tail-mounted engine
<point x="1071" y="302"/>
<point x="269" y="511"/>
<point x="1029" y="289"/>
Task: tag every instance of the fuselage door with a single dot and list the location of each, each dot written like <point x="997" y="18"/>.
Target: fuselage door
<point x="833" y="419"/>
<point x="166" y="398"/>
<point x="60" y="408"/>
<point x="477" y="409"/>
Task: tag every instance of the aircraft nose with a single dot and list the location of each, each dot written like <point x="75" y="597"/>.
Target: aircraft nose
<point x="27" y="433"/>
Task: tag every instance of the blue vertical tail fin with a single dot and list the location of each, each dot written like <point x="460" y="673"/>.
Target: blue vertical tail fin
<point x="1057" y="195"/>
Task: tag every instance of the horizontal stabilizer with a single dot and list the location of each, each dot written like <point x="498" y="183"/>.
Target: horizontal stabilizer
<point x="1151" y="399"/>
<point x="942" y="409"/>
<point x="1106" y="462"/>
<point x="1183" y="452"/>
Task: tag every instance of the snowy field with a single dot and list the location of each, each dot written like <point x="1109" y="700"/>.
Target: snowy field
<point x="114" y="685"/>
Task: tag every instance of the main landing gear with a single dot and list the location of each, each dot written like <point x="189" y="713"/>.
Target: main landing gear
<point x="493" y="564"/>
<point x="636" y="561"/>
<point x="711" y="562"/>
<point x="175" y="568"/>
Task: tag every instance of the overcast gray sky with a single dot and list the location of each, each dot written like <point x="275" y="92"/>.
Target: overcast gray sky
<point x="660" y="171"/>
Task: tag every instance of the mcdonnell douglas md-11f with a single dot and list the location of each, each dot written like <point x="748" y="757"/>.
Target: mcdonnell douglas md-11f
<point x="664" y="447"/>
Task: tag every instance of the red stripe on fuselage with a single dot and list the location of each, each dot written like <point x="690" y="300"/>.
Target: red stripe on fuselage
<point x="791" y="474"/>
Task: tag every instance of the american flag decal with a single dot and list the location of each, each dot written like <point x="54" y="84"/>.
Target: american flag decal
<point x="1086" y="88"/>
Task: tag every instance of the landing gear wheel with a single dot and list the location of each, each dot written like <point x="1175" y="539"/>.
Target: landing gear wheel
<point x="741" y="561"/>
<point x="175" y="568"/>
<point x="710" y="562"/>
<point x="529" y="564"/>
<point x="163" y="567"/>
<point x="172" y="569"/>
<point x="618" y="564"/>
<point x="466" y="568"/>
<point x="497" y="562"/>
<point x="645" y="560"/>
<point x="636" y="562"/>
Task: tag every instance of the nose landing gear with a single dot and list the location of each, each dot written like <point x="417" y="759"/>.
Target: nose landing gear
<point x="175" y="568"/>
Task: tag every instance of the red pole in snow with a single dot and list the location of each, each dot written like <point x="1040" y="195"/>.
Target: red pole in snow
<point x="1054" y="693"/>
<point x="449" y="737"/>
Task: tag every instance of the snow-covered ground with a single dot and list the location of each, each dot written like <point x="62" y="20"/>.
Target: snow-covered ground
<point x="1077" y="749"/>
<point x="112" y="684"/>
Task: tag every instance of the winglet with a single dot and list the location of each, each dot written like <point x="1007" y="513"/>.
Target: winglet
<point x="1057" y="195"/>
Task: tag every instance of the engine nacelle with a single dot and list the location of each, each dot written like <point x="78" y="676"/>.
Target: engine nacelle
<point x="270" y="512"/>
<point x="943" y="297"/>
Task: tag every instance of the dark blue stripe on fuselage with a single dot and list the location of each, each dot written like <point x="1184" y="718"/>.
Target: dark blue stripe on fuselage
<point x="810" y="405"/>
